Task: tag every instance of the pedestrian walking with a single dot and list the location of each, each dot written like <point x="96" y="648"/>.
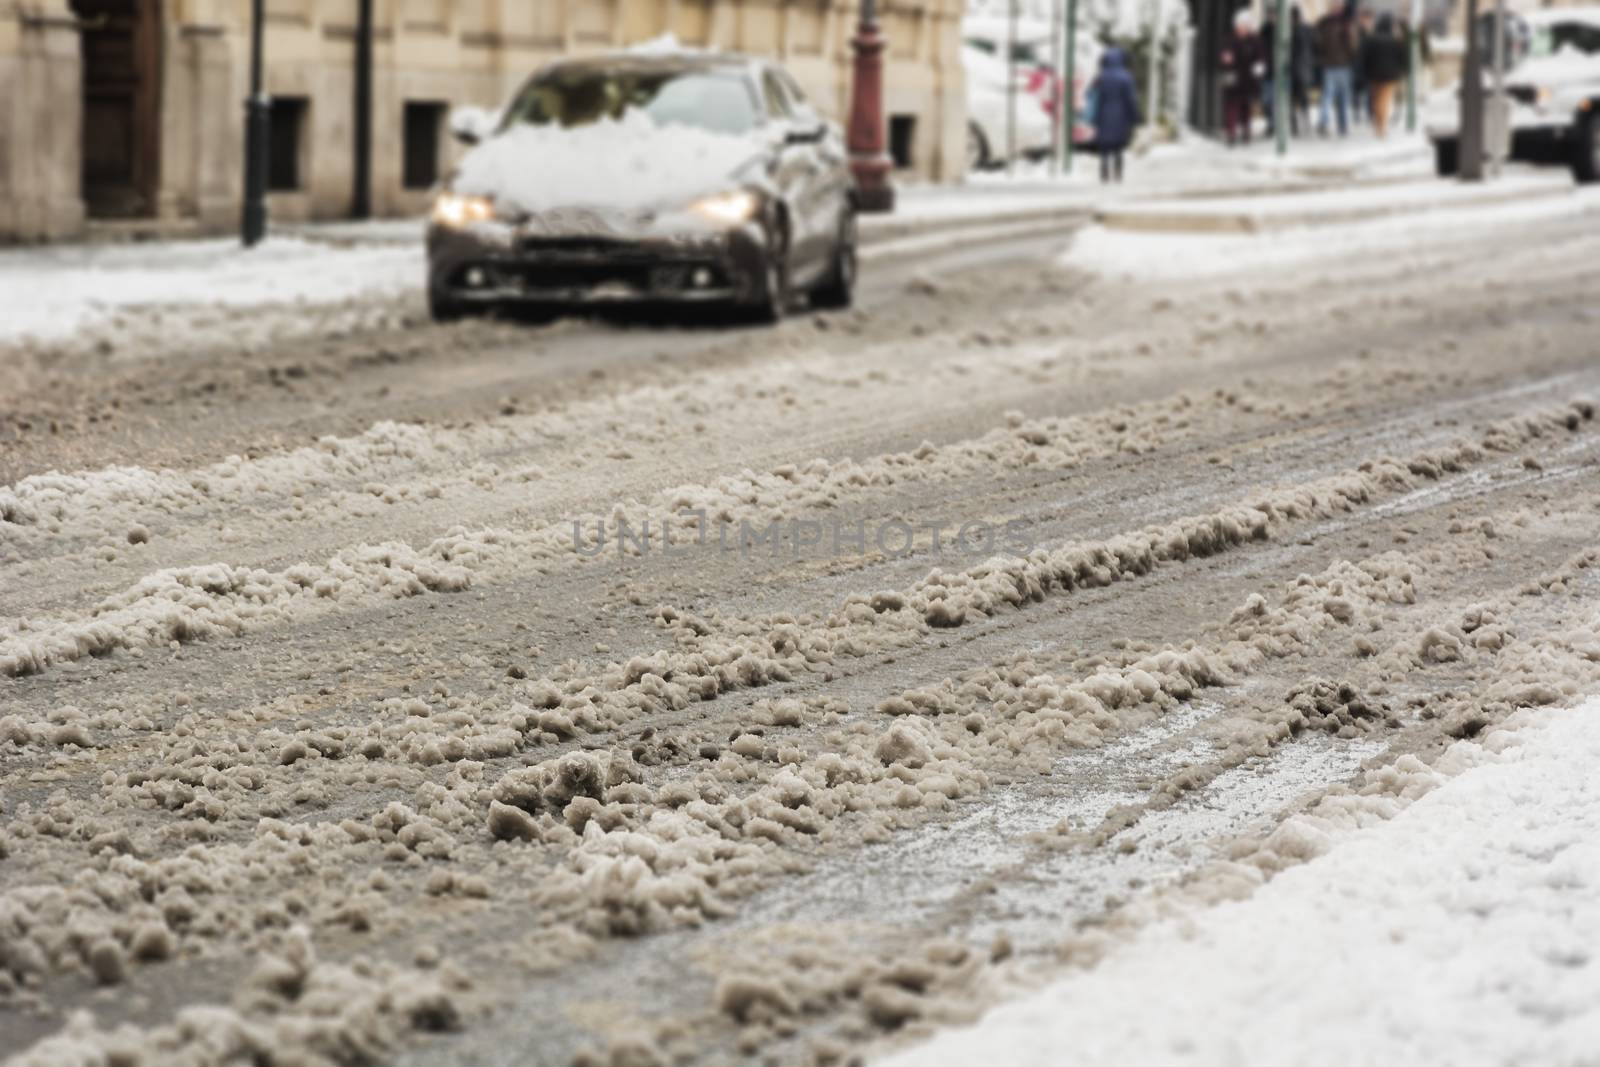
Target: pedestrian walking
<point x="1384" y="61"/>
<point x="1243" y="66"/>
<point x="1114" y="111"/>
<point x="1335" y="51"/>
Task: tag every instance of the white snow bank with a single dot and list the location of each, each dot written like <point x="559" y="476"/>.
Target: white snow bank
<point x="1377" y="198"/>
<point x="1461" y="932"/>
<point x="52" y="293"/>
<point x="1133" y="254"/>
<point x="621" y="164"/>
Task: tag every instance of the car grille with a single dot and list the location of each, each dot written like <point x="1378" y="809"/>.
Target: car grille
<point x="584" y="275"/>
<point x="645" y="276"/>
<point x="572" y="246"/>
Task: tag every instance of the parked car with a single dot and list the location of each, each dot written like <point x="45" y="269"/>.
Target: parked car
<point x="677" y="177"/>
<point x="1553" y="86"/>
<point x="1038" y="89"/>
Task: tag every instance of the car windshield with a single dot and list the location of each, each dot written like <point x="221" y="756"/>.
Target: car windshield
<point x="1557" y="37"/>
<point x="568" y="97"/>
<point x="1026" y="53"/>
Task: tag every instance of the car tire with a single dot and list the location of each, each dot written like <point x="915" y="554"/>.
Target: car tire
<point x="838" y="289"/>
<point x="442" y="309"/>
<point x="1586" y="149"/>
<point x="773" y="301"/>
<point x="978" y="157"/>
<point x="1446" y="160"/>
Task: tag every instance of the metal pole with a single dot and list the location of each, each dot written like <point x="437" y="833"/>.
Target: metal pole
<point x="253" y="224"/>
<point x="1069" y="78"/>
<point x="361" y="197"/>
<point x="1152" y="96"/>
<point x="1497" y="150"/>
<point x="1469" y="149"/>
<point x="869" y="163"/>
<point x="1281" y="75"/>
<point x="1414" y="65"/>
<point x="1011" y="85"/>
<point x="1061" y="101"/>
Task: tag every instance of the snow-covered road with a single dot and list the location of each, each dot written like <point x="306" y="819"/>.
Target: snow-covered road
<point x="346" y="714"/>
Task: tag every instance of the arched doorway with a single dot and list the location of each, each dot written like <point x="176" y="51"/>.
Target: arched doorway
<point x="121" y="105"/>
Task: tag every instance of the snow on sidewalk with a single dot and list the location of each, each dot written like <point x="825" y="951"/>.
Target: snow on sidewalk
<point x="1461" y="932"/>
<point x="1134" y="254"/>
<point x="56" y="292"/>
<point x="1356" y="202"/>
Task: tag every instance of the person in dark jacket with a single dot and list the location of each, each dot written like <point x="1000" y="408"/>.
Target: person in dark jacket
<point x="1335" y="39"/>
<point x="1243" y="65"/>
<point x="1114" y="111"/>
<point x="1384" y="61"/>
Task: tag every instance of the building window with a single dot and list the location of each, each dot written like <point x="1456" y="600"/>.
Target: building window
<point x="424" y="119"/>
<point x="288" y="140"/>
<point x="902" y="139"/>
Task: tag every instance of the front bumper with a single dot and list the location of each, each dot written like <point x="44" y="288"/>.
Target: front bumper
<point x="1530" y="126"/>
<point x="496" y="263"/>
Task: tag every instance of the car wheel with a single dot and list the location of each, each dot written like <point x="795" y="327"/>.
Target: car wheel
<point x="1586" y="153"/>
<point x="977" y="148"/>
<point x="442" y="309"/>
<point x="773" y="300"/>
<point x="838" y="288"/>
<point x="1444" y="158"/>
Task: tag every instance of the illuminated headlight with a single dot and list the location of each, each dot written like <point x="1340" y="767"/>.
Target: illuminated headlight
<point x="727" y="209"/>
<point x="1541" y="95"/>
<point x="454" y="210"/>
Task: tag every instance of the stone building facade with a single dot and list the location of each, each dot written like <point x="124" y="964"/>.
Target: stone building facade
<point x="129" y="113"/>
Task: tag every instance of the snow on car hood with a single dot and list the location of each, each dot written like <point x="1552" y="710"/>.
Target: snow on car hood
<point x="624" y="165"/>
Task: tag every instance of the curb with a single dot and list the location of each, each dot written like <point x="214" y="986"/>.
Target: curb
<point x="893" y="228"/>
<point x="1159" y="218"/>
<point x="884" y="249"/>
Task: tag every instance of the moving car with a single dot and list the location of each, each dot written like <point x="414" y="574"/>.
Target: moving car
<point x="679" y="177"/>
<point x="1553" y="86"/>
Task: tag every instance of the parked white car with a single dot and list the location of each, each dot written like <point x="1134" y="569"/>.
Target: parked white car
<point x="989" y="131"/>
<point x="1554" y="92"/>
<point x="1038" y="88"/>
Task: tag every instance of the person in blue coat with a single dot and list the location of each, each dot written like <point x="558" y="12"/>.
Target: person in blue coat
<point x="1114" y="111"/>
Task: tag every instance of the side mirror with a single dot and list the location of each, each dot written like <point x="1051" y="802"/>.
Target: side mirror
<point x="809" y="133"/>
<point x="470" y="125"/>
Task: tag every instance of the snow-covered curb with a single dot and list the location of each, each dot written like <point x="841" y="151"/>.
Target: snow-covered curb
<point x="1457" y="932"/>
<point x="55" y="293"/>
<point x="1125" y="254"/>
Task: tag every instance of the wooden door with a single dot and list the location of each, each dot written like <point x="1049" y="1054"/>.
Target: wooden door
<point x="121" y="105"/>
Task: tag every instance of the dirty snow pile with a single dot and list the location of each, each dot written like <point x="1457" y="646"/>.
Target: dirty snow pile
<point x="626" y="164"/>
<point x="51" y="294"/>
<point x="1460" y="932"/>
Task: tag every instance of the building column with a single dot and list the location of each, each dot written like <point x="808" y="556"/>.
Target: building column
<point x="41" y="123"/>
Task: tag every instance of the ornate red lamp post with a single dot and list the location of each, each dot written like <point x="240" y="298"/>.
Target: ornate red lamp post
<point x="868" y="161"/>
